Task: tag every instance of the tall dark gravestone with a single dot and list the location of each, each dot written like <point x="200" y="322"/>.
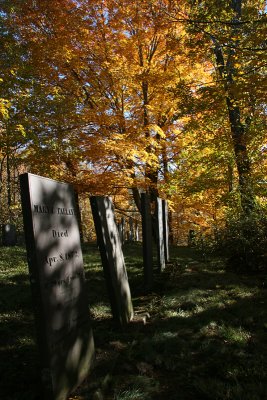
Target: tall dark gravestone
<point x="112" y="259"/>
<point x="147" y="240"/>
<point x="131" y="230"/>
<point x="121" y="229"/>
<point x="160" y="236"/>
<point x="9" y="235"/>
<point x="58" y="284"/>
<point x="165" y="230"/>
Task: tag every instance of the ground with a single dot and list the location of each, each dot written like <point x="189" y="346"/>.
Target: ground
<point x="199" y="334"/>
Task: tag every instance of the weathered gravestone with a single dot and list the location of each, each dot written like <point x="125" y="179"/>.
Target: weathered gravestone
<point x="131" y="230"/>
<point x="136" y="232"/>
<point x="112" y="259"/>
<point x="58" y="284"/>
<point x="160" y="236"/>
<point x="147" y="239"/>
<point x="165" y="230"/>
<point x="9" y="235"/>
<point x="121" y="229"/>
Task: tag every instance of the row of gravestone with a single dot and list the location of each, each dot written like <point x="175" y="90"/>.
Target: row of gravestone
<point x="128" y="233"/>
<point x="58" y="284"/>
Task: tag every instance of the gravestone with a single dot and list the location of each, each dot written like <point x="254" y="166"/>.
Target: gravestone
<point x="58" y="285"/>
<point x="160" y="236"/>
<point x="112" y="259"/>
<point x="136" y="232"/>
<point x="131" y="230"/>
<point x="9" y="235"/>
<point x="147" y="240"/>
<point x="165" y="230"/>
<point x="121" y="230"/>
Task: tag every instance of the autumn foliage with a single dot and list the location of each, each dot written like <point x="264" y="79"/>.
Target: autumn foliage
<point x="120" y="97"/>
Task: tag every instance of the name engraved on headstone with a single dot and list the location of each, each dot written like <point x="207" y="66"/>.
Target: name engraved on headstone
<point x="58" y="284"/>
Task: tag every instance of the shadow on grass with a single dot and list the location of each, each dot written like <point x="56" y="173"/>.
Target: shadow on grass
<point x="18" y="353"/>
<point x="214" y="353"/>
<point x="205" y="339"/>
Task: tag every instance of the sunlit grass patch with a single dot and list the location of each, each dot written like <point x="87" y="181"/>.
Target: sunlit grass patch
<point x="11" y="316"/>
<point x="179" y="313"/>
<point x="13" y="262"/>
<point x="230" y="334"/>
<point x="25" y="341"/>
<point x="235" y="335"/>
<point x="100" y="310"/>
<point x="137" y="387"/>
<point x="161" y="337"/>
<point x="131" y="394"/>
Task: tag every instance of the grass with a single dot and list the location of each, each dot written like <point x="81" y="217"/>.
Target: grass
<point x="205" y="338"/>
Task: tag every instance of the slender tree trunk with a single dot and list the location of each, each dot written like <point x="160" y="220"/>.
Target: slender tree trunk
<point x="137" y="197"/>
<point x="226" y="68"/>
<point x="72" y="167"/>
<point x="79" y="215"/>
<point x="1" y="176"/>
<point x="8" y="174"/>
<point x="230" y="178"/>
<point x="242" y="160"/>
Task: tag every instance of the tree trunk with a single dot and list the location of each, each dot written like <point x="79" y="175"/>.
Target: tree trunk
<point x="242" y="160"/>
<point x="226" y="68"/>
<point x="8" y="176"/>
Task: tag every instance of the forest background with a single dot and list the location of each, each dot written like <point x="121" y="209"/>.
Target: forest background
<point x="121" y="97"/>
